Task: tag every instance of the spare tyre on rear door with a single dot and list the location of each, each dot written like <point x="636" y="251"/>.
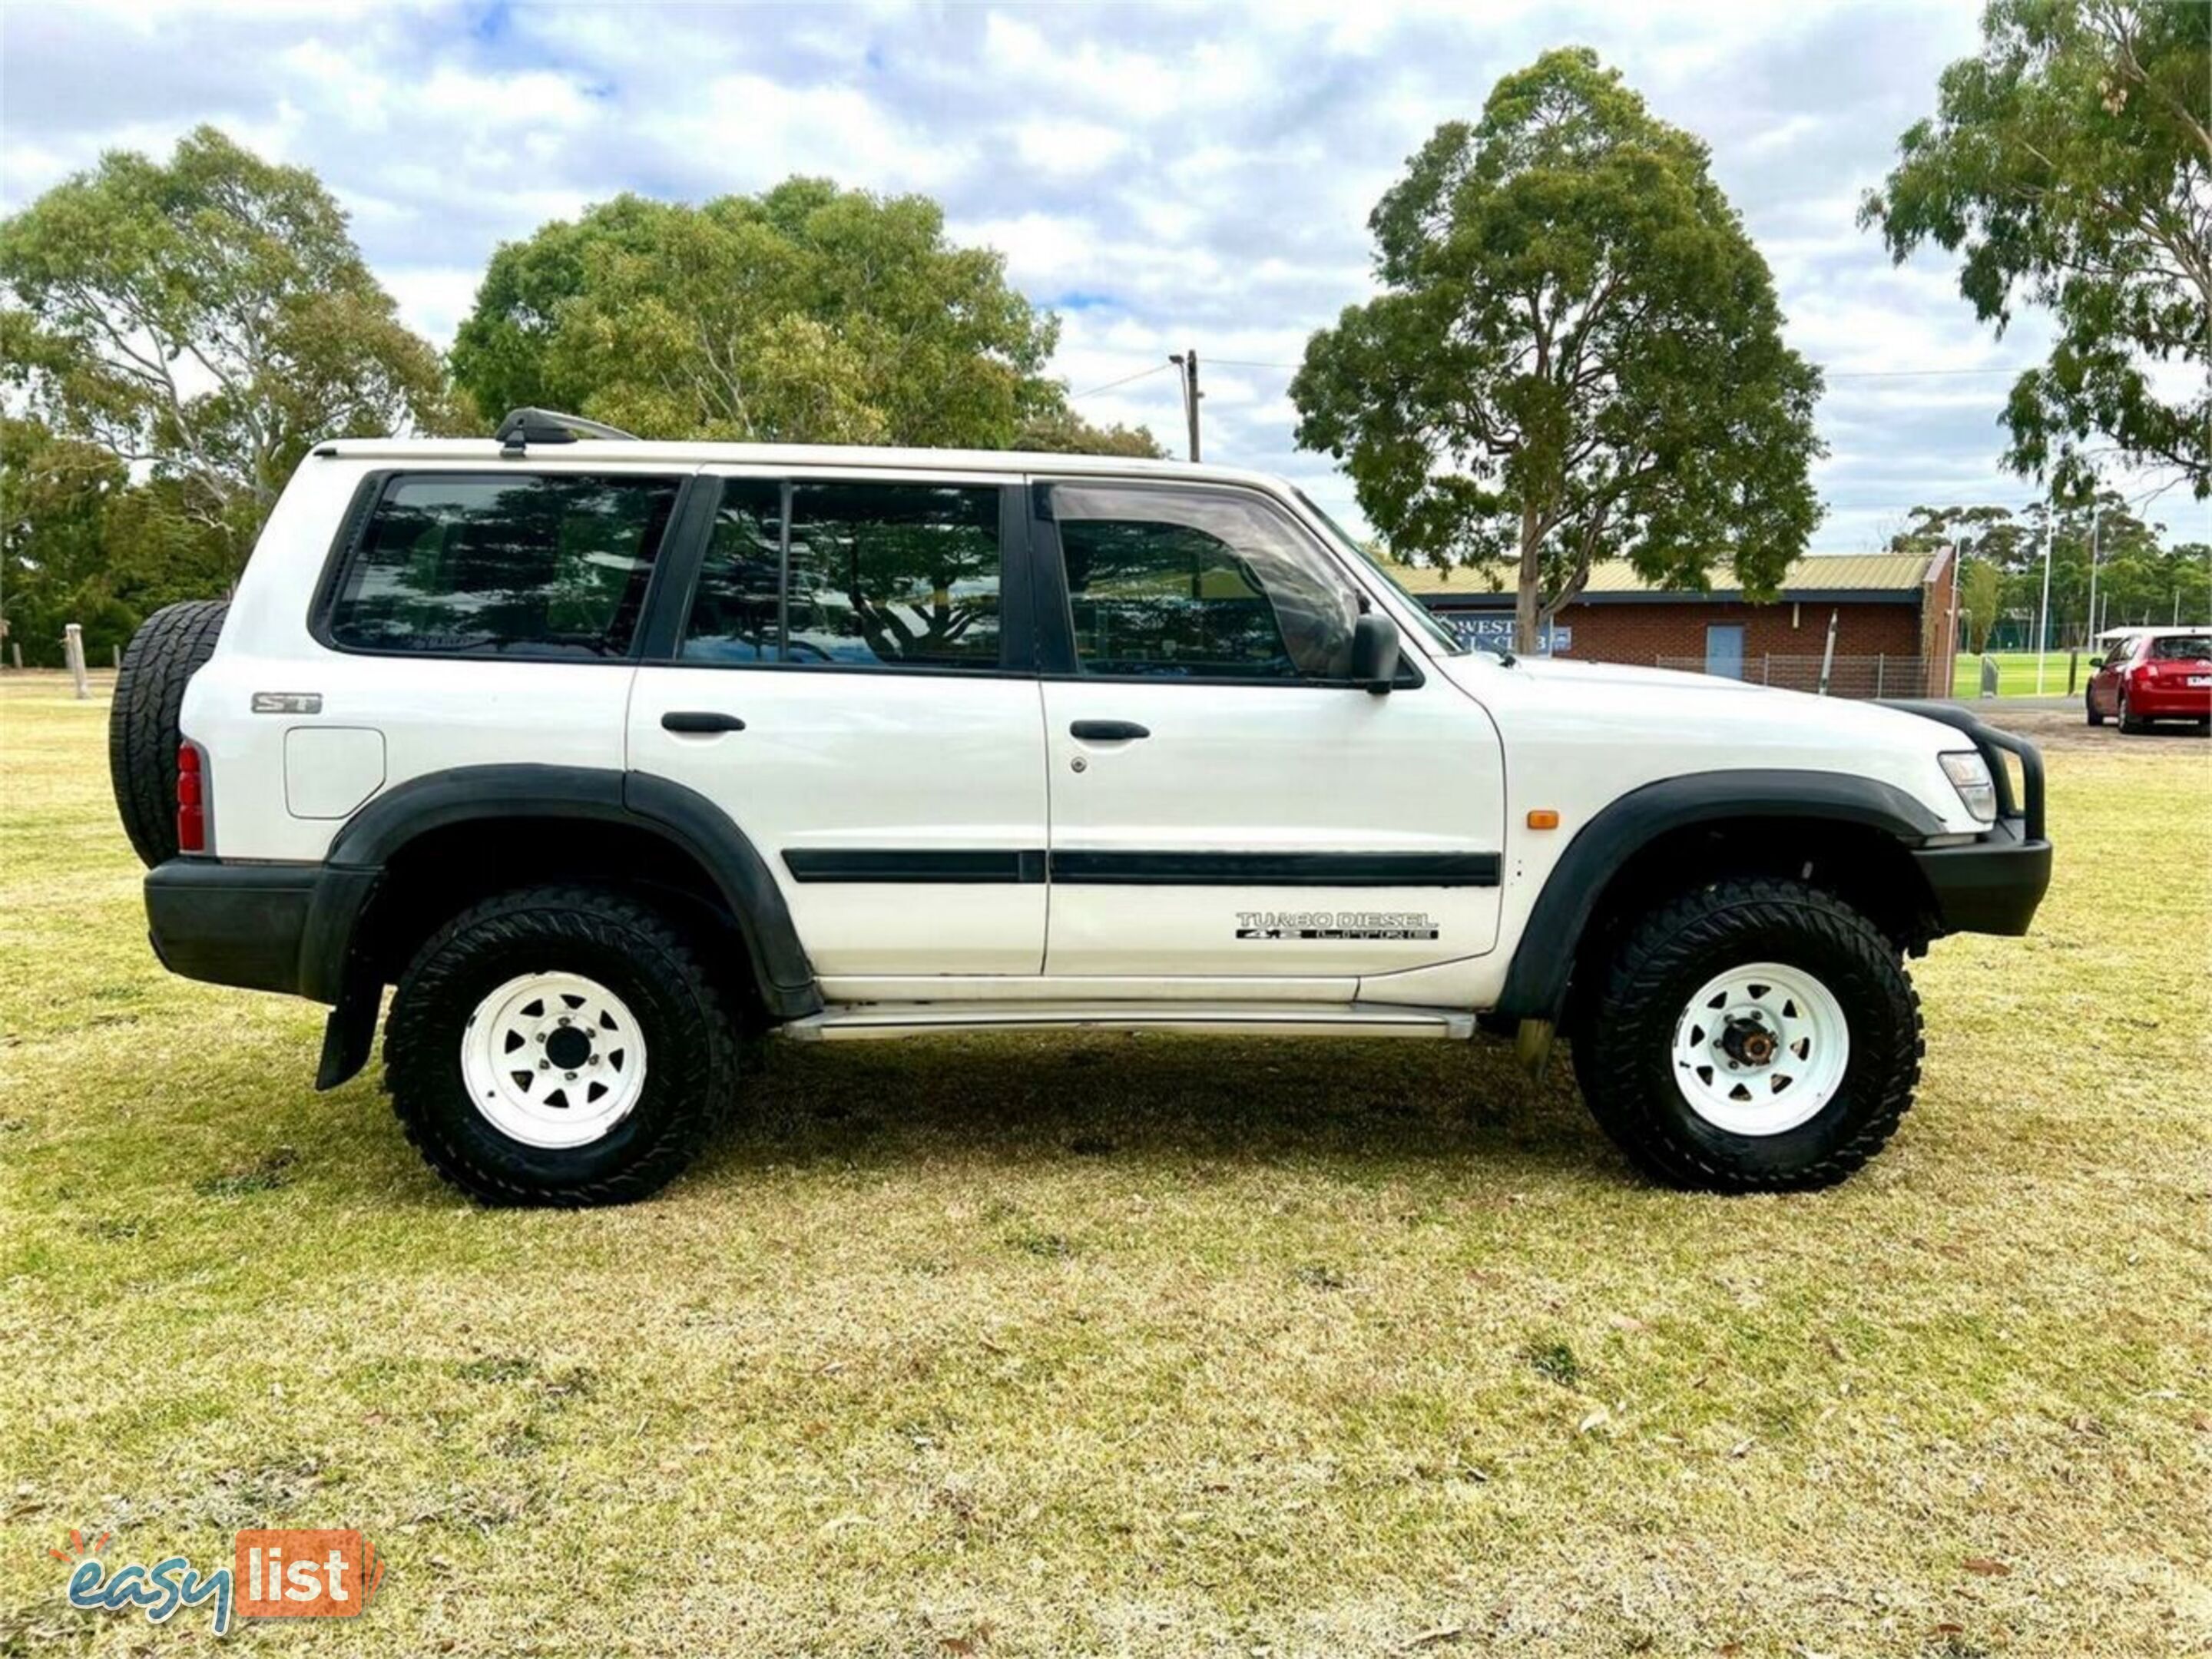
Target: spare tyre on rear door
<point x="142" y="736"/>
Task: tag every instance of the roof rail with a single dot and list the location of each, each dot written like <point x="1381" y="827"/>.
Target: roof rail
<point x="550" y="426"/>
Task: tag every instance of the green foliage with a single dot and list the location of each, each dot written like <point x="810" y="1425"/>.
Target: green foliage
<point x="1059" y="430"/>
<point x="1981" y="592"/>
<point x="54" y="498"/>
<point x="84" y="544"/>
<point x="1577" y="354"/>
<point x="806" y="315"/>
<point x="2139" y="580"/>
<point x="208" y="318"/>
<point x="2070" y="164"/>
<point x="1928" y="528"/>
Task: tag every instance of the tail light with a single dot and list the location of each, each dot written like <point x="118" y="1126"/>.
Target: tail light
<point x="192" y="800"/>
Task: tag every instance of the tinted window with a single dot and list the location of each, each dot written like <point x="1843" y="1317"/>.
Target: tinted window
<point x="2181" y="648"/>
<point x="1199" y="587"/>
<point x="734" y="610"/>
<point x="881" y="575"/>
<point x="536" y="565"/>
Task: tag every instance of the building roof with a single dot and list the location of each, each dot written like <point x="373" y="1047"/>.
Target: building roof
<point x="1824" y="574"/>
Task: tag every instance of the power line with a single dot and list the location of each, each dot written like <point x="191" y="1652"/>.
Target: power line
<point x="1109" y="386"/>
<point x="1908" y="374"/>
<point x="1833" y="374"/>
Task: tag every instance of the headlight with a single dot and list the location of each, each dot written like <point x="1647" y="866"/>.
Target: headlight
<point x="1970" y="776"/>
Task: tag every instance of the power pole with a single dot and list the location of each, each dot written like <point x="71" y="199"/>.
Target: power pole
<point x="1187" y="363"/>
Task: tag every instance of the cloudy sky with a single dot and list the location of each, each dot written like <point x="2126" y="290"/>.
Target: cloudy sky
<point x="1161" y="176"/>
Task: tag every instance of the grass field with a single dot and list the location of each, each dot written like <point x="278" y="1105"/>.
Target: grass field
<point x="2016" y="674"/>
<point x="1130" y="1347"/>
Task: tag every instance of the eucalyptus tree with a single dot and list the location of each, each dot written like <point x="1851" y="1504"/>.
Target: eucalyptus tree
<point x="1576" y="354"/>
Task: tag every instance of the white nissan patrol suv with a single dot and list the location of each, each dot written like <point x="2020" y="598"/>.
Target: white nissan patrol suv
<point x="615" y="756"/>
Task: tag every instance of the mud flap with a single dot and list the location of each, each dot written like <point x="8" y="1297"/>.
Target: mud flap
<point x="349" y="1032"/>
<point x="1532" y="1047"/>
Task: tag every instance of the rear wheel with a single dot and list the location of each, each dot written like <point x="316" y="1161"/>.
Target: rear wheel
<point x="1752" y="1036"/>
<point x="558" y="1046"/>
<point x="2129" y="722"/>
<point x="167" y="650"/>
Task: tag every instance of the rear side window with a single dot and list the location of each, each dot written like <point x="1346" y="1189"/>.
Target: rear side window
<point x="539" y="566"/>
<point x="866" y="575"/>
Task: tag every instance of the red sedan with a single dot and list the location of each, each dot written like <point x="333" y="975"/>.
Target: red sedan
<point x="2153" y="674"/>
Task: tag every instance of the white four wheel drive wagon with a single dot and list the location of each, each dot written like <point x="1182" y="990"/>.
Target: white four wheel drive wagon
<point x="615" y="757"/>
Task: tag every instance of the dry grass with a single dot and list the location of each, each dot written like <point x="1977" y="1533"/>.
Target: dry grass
<point x="1132" y="1346"/>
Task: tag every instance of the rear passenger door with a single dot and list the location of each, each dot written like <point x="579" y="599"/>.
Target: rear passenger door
<point x="849" y="675"/>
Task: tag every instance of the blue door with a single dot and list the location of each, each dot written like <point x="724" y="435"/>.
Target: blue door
<point x="1724" y="650"/>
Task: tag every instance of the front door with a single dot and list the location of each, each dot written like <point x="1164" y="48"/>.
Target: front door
<point x="844" y="684"/>
<point x="1225" y="804"/>
<point x="1724" y="650"/>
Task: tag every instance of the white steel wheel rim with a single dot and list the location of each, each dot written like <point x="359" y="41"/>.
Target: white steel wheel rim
<point x="553" y="1059"/>
<point x="1760" y="1048"/>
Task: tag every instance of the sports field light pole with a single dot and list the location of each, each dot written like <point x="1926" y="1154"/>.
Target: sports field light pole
<point x="2096" y="523"/>
<point x="2043" y="619"/>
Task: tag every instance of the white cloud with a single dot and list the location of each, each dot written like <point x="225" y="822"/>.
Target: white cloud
<point x="1069" y="148"/>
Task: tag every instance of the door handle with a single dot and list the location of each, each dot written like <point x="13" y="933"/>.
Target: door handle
<point x="1108" y="730"/>
<point x="704" y="721"/>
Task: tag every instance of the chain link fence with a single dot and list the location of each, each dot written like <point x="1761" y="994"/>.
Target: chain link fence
<point x="1848" y="677"/>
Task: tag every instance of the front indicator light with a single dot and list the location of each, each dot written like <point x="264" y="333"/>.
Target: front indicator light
<point x="1970" y="776"/>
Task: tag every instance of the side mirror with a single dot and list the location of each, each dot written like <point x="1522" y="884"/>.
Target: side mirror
<point x="1373" y="652"/>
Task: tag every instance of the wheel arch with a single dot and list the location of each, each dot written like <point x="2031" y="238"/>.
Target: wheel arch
<point x="1856" y="834"/>
<point x="422" y="850"/>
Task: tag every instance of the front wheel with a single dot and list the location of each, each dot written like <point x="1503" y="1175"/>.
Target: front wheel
<point x="558" y="1046"/>
<point x="2089" y="703"/>
<point x="1752" y="1036"/>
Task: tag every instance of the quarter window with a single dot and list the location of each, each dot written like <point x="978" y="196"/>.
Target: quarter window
<point x="1183" y="585"/>
<point x="539" y="566"/>
<point x="866" y="576"/>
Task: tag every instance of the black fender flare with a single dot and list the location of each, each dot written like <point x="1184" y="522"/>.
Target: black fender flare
<point x="332" y="970"/>
<point x="1536" y="982"/>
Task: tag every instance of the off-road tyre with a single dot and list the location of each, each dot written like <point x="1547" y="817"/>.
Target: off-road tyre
<point x="632" y="948"/>
<point x="2090" y="703"/>
<point x="167" y="651"/>
<point x="1624" y="1053"/>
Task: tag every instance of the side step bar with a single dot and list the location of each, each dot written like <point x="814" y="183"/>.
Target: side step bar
<point x="851" y="1022"/>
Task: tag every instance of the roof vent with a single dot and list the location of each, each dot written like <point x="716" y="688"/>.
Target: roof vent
<point x="523" y="427"/>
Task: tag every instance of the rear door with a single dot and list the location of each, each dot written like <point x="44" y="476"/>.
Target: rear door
<point x="1225" y="804"/>
<point x="847" y="676"/>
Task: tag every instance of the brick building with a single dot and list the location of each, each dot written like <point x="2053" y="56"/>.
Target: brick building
<point x="1895" y="617"/>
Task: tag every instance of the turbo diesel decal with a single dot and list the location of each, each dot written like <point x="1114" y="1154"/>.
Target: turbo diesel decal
<point x="1334" y="924"/>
